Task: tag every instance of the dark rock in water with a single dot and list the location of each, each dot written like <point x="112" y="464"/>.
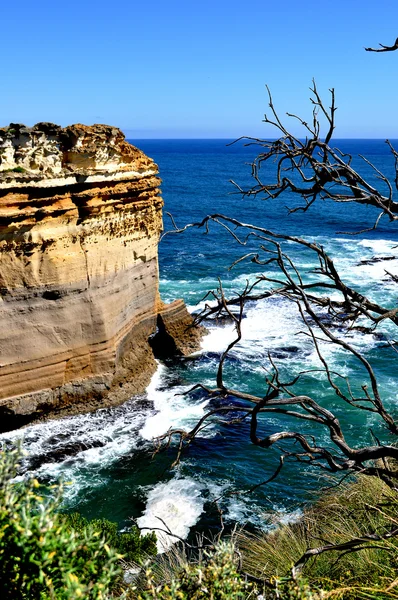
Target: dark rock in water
<point x="171" y="381"/>
<point x="376" y="259"/>
<point x="223" y="319"/>
<point x="368" y="331"/>
<point x="285" y="351"/>
<point x="175" y="334"/>
<point x="143" y="404"/>
<point x="289" y="349"/>
<point x="215" y="356"/>
<point x="58" y="438"/>
<point x="59" y="454"/>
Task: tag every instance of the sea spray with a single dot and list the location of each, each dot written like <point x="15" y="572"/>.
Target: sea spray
<point x="173" y="507"/>
<point x="172" y="405"/>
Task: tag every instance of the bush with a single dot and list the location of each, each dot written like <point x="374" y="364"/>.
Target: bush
<point x="293" y="590"/>
<point x="134" y="546"/>
<point x="214" y="578"/>
<point x="40" y="556"/>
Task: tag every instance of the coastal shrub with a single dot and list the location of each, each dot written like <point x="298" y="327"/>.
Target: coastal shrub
<point x="40" y="556"/>
<point x="213" y="578"/>
<point x="292" y="590"/>
<point x="134" y="546"/>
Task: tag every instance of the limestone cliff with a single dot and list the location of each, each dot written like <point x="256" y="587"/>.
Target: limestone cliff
<point x="80" y="218"/>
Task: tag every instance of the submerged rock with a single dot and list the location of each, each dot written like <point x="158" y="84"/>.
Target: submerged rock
<point x="80" y="219"/>
<point x="376" y="259"/>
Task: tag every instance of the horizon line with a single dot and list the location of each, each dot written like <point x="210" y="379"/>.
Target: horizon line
<point x="248" y="138"/>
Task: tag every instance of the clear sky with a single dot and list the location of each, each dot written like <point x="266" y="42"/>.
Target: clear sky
<point x="186" y="69"/>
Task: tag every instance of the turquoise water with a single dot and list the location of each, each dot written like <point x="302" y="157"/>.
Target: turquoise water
<point x="107" y="456"/>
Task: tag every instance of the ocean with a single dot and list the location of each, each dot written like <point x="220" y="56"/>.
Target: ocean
<point x="107" y="458"/>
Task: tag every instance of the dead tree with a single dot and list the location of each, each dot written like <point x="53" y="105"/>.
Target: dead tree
<point x="310" y="169"/>
<point x="384" y="48"/>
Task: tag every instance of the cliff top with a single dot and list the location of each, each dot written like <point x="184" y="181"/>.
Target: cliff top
<point x="46" y="152"/>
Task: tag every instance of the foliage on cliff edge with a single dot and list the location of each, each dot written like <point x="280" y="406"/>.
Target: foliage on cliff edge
<point x="41" y="557"/>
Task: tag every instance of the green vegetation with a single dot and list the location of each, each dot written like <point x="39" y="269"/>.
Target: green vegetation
<point x="48" y="555"/>
<point x="42" y="556"/>
<point x="15" y="170"/>
<point x="134" y="546"/>
<point x="350" y="510"/>
<point x="216" y="576"/>
<point x="213" y="578"/>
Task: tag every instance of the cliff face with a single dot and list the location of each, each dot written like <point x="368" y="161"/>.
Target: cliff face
<point x="80" y="218"/>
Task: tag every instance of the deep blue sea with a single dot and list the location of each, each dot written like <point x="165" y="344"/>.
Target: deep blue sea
<point x="113" y="472"/>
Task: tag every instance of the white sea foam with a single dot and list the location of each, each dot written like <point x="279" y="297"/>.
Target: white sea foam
<point x="266" y="324"/>
<point x="275" y="325"/>
<point x="72" y="447"/>
<point x="281" y="517"/>
<point x="377" y="246"/>
<point x="218" y="338"/>
<point x="349" y="257"/>
<point x="173" y="408"/>
<point x="269" y="325"/>
<point x="240" y="511"/>
<point x="175" y="506"/>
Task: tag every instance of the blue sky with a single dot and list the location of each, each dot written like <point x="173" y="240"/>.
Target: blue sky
<point x="187" y="69"/>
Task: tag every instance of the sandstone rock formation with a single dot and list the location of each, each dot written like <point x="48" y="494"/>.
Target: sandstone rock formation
<point x="80" y="218"/>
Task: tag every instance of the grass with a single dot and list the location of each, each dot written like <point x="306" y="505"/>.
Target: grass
<point x="213" y="577"/>
<point x="350" y="510"/>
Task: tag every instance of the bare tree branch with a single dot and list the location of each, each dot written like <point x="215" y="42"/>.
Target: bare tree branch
<point x="280" y="397"/>
<point x="312" y="168"/>
<point x="355" y="544"/>
<point x="329" y="308"/>
<point x="384" y="48"/>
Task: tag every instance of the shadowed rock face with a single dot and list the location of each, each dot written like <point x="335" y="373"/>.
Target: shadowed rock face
<point x="80" y="219"/>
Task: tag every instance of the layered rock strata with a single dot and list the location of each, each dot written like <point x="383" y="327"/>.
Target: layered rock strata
<point x="80" y="219"/>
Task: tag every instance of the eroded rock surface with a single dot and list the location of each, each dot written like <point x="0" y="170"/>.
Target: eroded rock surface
<point x="80" y="219"/>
